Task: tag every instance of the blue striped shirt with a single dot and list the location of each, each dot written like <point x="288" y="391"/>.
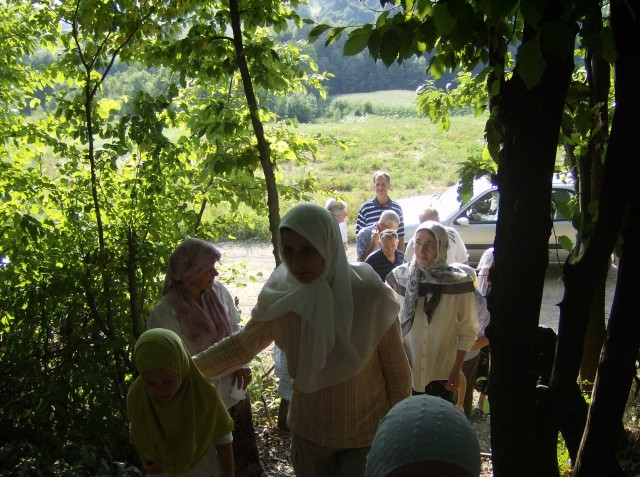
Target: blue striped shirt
<point x="370" y="214"/>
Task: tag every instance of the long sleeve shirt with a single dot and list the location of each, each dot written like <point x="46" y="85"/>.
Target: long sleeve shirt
<point x="432" y="346"/>
<point x="345" y="415"/>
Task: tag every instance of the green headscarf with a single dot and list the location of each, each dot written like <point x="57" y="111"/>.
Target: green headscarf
<point x="179" y="432"/>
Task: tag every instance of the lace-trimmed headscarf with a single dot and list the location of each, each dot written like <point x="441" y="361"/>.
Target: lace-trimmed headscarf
<point x="344" y="313"/>
<point x="201" y="327"/>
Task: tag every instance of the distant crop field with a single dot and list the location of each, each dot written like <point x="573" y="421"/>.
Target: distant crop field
<point x="396" y="97"/>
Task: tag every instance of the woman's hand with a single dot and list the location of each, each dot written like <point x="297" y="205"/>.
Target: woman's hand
<point x="241" y="378"/>
<point x="454" y="380"/>
<point x="454" y="375"/>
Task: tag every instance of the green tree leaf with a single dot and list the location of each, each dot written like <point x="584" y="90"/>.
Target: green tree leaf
<point x="357" y="40"/>
<point x="530" y="63"/>
<point x="316" y="31"/>
<point x="444" y="21"/>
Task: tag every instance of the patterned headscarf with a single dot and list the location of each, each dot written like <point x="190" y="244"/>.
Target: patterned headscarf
<point x="344" y="313"/>
<point x="179" y="432"/>
<point x="188" y="261"/>
<point x="437" y="274"/>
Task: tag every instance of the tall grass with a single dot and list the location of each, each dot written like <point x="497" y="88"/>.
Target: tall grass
<point x="419" y="157"/>
<point x="391" y="104"/>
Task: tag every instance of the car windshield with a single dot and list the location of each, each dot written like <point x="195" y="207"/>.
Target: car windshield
<point x="447" y="202"/>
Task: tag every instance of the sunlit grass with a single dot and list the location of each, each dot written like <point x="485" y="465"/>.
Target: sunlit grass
<point x="420" y="157"/>
<point x="397" y="97"/>
<point x="415" y="152"/>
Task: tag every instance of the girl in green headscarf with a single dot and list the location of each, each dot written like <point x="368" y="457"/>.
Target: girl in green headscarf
<point x="179" y="424"/>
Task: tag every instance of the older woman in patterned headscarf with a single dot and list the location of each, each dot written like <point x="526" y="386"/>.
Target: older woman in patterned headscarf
<point x="438" y="312"/>
<point x="202" y="312"/>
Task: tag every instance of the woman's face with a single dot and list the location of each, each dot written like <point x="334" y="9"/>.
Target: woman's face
<point x="162" y="384"/>
<point x="205" y="279"/>
<point x="302" y="259"/>
<point x="341" y="216"/>
<point x="426" y="247"/>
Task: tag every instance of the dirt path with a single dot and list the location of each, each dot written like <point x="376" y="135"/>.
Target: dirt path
<point x="259" y="262"/>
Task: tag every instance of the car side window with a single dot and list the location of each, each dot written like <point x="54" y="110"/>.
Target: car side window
<point x="485" y="209"/>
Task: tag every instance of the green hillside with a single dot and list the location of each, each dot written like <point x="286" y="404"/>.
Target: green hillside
<point x="419" y="156"/>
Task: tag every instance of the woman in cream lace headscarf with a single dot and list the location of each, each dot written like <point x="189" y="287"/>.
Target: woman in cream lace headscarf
<point x="337" y="324"/>
<point x="438" y="312"/>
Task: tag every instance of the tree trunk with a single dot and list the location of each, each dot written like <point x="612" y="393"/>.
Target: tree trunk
<point x="594" y="337"/>
<point x="598" y="77"/>
<point x="617" y="365"/>
<point x="264" y="149"/>
<point x="532" y="123"/>
<point x="249" y="460"/>
<point x="603" y="436"/>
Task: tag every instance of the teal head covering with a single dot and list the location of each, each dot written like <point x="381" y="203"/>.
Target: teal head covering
<point x="424" y="429"/>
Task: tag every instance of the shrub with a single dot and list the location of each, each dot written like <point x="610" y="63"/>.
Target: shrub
<point x="300" y="106"/>
<point x="338" y="109"/>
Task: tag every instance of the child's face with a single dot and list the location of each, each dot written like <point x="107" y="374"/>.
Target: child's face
<point x="162" y="384"/>
<point x="389" y="246"/>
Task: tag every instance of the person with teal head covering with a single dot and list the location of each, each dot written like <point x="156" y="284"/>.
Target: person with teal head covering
<point x="179" y="424"/>
<point x="424" y="436"/>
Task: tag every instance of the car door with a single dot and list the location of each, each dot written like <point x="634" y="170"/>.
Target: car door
<point x="476" y="223"/>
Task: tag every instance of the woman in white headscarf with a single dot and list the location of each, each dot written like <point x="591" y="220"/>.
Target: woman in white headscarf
<point x="438" y="313"/>
<point x="337" y="324"/>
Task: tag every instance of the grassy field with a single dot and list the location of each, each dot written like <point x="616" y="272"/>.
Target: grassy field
<point x="419" y="156"/>
<point x="397" y="97"/>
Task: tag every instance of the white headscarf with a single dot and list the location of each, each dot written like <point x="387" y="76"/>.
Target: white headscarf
<point x="411" y="275"/>
<point x="343" y="313"/>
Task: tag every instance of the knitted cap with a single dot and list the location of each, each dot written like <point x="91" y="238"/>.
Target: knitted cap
<point x="423" y="428"/>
